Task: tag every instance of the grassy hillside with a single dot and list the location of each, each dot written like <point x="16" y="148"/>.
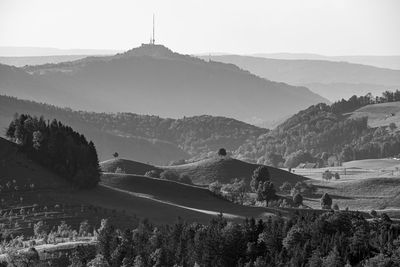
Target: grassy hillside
<point x="359" y="193"/>
<point x="16" y="166"/>
<point x="206" y="171"/>
<point x="176" y="199"/>
<point x="380" y="114"/>
<point x="128" y="166"/>
<point x="31" y="193"/>
<point x="52" y="200"/>
<point x="374" y="164"/>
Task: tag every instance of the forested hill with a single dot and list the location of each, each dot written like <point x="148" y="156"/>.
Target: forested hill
<point x="323" y="132"/>
<point x="152" y="79"/>
<point x="141" y="137"/>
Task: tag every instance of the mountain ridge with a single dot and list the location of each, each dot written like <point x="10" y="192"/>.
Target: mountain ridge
<point x="333" y="80"/>
<point x="152" y="79"/>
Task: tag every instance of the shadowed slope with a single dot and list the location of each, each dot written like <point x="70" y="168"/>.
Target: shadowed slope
<point x="180" y="197"/>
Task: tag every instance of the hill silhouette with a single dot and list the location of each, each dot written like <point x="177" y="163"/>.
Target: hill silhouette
<point x="333" y="80"/>
<point x="141" y="137"/>
<point x="153" y="79"/>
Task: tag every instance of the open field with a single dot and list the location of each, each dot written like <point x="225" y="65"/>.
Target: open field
<point x="357" y="169"/>
<point x="364" y="185"/>
<point x="380" y="114"/>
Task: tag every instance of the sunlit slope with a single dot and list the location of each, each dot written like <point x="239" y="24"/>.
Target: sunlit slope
<point x="380" y="114"/>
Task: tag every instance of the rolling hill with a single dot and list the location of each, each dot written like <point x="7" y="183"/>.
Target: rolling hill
<point x="379" y="115"/>
<point x="153" y="79"/>
<point x="178" y="196"/>
<point x="347" y="130"/>
<point x="130" y="195"/>
<point x="333" y="80"/>
<point x="141" y="137"/>
<point x="205" y="171"/>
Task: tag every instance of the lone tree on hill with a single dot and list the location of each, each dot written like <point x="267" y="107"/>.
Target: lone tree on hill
<point x="260" y="175"/>
<point x="326" y="201"/>
<point x="115" y="155"/>
<point x="222" y="152"/>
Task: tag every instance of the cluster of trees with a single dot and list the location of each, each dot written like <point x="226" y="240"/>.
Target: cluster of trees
<point x="261" y="184"/>
<point x="328" y="175"/>
<point x="169" y="175"/>
<point x="356" y="102"/>
<point x="57" y="147"/>
<point x="237" y="191"/>
<point x="321" y="130"/>
<point x="334" y="238"/>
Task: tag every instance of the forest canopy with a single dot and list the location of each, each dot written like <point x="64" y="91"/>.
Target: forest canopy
<point x="325" y="131"/>
<point x="57" y="147"/>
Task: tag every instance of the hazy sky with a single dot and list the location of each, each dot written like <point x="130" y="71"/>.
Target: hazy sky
<point x="331" y="27"/>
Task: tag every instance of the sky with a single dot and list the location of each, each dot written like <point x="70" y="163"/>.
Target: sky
<point x="329" y="27"/>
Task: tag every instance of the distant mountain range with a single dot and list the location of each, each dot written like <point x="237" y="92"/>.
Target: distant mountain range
<point x="152" y="79"/>
<point x="25" y="51"/>
<point x="387" y="62"/>
<point x="38" y="60"/>
<point x="21" y="56"/>
<point x="333" y="80"/>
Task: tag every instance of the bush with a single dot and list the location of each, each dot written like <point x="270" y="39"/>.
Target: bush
<point x="184" y="178"/>
<point x="260" y="175"/>
<point x="174" y="176"/>
<point x="215" y="187"/>
<point x="285" y="187"/>
<point x="335" y="206"/>
<point x="119" y="170"/>
<point x="327" y="175"/>
<point x="222" y="152"/>
<point x="326" y="201"/>
<point x="337" y="176"/>
<point x="266" y="192"/>
<point x="303" y="188"/>
<point x="374" y="213"/>
<point x="153" y="174"/>
<point x="298" y="199"/>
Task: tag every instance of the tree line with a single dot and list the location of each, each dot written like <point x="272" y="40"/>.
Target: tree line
<point x="331" y="239"/>
<point x="57" y="147"/>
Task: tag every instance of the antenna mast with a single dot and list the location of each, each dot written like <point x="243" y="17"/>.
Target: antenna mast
<point x="153" y="40"/>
